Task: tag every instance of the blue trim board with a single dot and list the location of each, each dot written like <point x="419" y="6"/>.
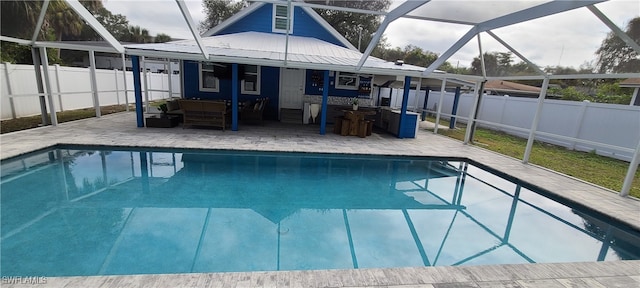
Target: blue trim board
<point x="269" y="87"/>
<point x="260" y="20"/>
<point x="325" y="100"/>
<point x="403" y="111"/>
<point x="135" y="65"/>
<point x="234" y="97"/>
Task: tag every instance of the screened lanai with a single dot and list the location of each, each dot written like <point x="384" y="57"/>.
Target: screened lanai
<point x="481" y="17"/>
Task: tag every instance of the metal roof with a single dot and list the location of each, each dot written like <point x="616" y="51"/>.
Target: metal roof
<point x="271" y="49"/>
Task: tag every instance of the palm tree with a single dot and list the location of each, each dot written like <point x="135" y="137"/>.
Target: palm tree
<point x="139" y="35"/>
<point x="161" y="38"/>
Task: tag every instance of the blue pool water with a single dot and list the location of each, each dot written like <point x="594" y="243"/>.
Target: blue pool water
<point x="85" y="211"/>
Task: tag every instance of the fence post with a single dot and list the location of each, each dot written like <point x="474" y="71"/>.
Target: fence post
<point x="94" y="83"/>
<point x="585" y="104"/>
<point x="124" y="76"/>
<point x="536" y="119"/>
<point x="11" y="104"/>
<point x="115" y="73"/>
<point x="58" y="86"/>
<point x="145" y="83"/>
<point x="417" y="95"/>
<point x="43" y="102"/>
<point x="444" y="84"/>
<point x="504" y="107"/>
<point x="47" y="83"/>
<point x="472" y="114"/>
<point x="169" y="74"/>
<point x="631" y="172"/>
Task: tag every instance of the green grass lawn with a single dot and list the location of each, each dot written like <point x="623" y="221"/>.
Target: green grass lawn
<point x="600" y="170"/>
<point x="24" y="123"/>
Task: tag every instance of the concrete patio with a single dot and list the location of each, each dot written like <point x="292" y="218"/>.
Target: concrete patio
<point x="120" y="130"/>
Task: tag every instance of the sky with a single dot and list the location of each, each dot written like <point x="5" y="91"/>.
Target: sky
<point x="569" y="39"/>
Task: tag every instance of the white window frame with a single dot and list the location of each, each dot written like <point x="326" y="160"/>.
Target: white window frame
<point x="257" y="84"/>
<point x="201" y="80"/>
<point x="273" y="20"/>
<point x="356" y="80"/>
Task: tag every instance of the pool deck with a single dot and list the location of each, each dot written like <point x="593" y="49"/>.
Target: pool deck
<point x="120" y="130"/>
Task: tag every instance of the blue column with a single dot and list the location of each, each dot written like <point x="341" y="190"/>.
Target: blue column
<point x="234" y="97"/>
<point x="454" y="110"/>
<point x="325" y="99"/>
<point x="144" y="167"/>
<point x="405" y="101"/>
<point x="135" y="62"/>
<point x="426" y="101"/>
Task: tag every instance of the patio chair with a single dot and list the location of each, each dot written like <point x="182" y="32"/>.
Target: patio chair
<point x="254" y="112"/>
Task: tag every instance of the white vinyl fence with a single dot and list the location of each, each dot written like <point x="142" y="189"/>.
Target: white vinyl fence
<point x="71" y="87"/>
<point x="613" y="129"/>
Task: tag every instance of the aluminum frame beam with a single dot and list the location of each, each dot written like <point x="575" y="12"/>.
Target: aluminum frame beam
<point x="505" y="44"/>
<point x="396" y="13"/>
<point x="36" y="30"/>
<point x="614" y="28"/>
<point x="93" y="22"/>
<point x="187" y="17"/>
<point x="535" y="12"/>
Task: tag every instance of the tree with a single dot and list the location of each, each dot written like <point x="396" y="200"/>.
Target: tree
<point x="615" y="56"/>
<point x="358" y="28"/>
<point x="161" y="38"/>
<point x="116" y="24"/>
<point x="138" y="35"/>
<point x="218" y="11"/>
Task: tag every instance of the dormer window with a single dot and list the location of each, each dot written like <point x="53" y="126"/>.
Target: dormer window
<point x="282" y="19"/>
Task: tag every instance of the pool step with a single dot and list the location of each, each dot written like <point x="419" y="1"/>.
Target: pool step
<point x="293" y="116"/>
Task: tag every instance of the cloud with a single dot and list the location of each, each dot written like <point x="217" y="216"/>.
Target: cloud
<point x="158" y="16"/>
<point x="567" y="39"/>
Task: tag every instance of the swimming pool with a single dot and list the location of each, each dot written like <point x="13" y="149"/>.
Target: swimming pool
<point x="88" y="211"/>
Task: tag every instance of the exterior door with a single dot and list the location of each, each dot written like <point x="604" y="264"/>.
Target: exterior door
<point x="291" y="88"/>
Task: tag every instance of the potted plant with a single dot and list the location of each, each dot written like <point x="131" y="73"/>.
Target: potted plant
<point x="354" y="103"/>
<point x="163" y="107"/>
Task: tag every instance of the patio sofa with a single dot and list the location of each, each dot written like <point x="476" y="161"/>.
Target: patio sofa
<point x="203" y="113"/>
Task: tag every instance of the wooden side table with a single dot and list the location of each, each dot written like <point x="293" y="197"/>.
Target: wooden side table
<point x="163" y="121"/>
<point x="356" y="119"/>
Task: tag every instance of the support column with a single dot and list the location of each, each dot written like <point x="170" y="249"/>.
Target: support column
<point x="59" y="90"/>
<point x="124" y="77"/>
<point x="43" y="102"/>
<point x="146" y="85"/>
<point x="47" y="83"/>
<point x="234" y="97"/>
<point x="170" y="77"/>
<point x="631" y="172"/>
<point x="536" y="119"/>
<point x="425" y="105"/>
<point x="94" y="83"/>
<point x="417" y="97"/>
<point x="471" y="128"/>
<point x="135" y="63"/>
<point x="115" y="73"/>
<point x="325" y="100"/>
<point x="442" y="91"/>
<point x="403" y="110"/>
<point x="9" y="90"/>
<point x="454" y="110"/>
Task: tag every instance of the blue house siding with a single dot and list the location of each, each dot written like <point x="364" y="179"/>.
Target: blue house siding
<point x="268" y="76"/>
<point x="310" y="89"/>
<point x="261" y="21"/>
